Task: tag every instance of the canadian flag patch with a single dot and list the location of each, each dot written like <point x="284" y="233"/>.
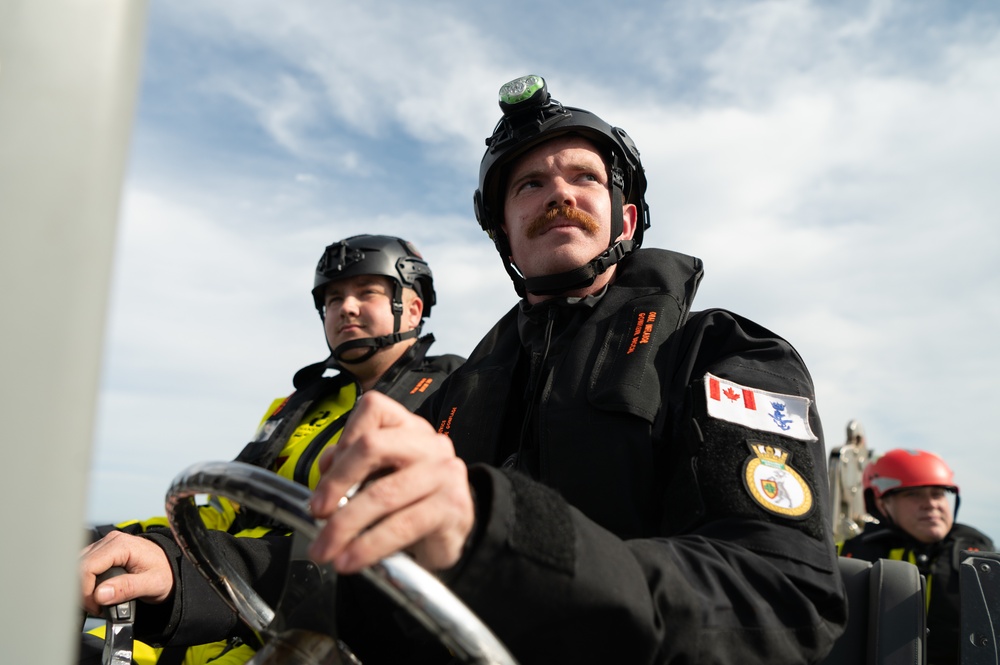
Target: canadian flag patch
<point x="757" y="409"/>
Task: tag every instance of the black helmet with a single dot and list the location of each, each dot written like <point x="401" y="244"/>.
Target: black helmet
<point x="530" y="118"/>
<point x="387" y="256"/>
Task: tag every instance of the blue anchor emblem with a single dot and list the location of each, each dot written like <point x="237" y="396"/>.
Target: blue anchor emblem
<point x="779" y="416"/>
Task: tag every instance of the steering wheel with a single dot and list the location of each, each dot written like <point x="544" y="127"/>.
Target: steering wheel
<point x="402" y="579"/>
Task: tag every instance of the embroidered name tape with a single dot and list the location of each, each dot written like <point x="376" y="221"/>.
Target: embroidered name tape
<point x="758" y="409"/>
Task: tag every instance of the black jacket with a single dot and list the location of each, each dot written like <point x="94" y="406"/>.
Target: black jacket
<point x="939" y="563"/>
<point x="625" y="531"/>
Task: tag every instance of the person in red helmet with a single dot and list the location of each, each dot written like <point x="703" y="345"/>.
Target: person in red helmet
<point x="914" y="496"/>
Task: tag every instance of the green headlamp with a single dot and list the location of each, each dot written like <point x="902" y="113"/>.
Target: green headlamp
<point x="514" y="94"/>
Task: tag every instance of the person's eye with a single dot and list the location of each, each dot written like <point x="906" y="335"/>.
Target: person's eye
<point x="525" y="185"/>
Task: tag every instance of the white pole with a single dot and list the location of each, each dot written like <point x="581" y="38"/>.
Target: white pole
<point x="69" y="72"/>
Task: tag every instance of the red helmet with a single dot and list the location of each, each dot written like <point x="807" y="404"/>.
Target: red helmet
<point x="901" y="468"/>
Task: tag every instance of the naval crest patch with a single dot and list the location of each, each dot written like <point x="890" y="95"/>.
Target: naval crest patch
<point x="774" y="484"/>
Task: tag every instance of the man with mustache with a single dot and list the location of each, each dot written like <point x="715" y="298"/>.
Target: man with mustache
<point x="913" y="495"/>
<point x="373" y="294"/>
<point x="599" y="482"/>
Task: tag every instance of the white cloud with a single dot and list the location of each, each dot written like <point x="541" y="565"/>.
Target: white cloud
<point x="368" y="70"/>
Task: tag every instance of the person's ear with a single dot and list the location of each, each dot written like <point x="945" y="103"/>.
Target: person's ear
<point x="414" y="311"/>
<point x="882" y="506"/>
<point x="630" y="217"/>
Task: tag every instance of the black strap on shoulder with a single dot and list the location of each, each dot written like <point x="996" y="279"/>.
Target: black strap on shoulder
<point x="413" y="356"/>
<point x="266" y="448"/>
<point x="304" y="464"/>
<point x="263" y="452"/>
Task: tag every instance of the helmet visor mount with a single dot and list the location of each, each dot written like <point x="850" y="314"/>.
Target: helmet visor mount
<point x="338" y="257"/>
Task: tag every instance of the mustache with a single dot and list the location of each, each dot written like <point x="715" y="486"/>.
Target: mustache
<point x="540" y="223"/>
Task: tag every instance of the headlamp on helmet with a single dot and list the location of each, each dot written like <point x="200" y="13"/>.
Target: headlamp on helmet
<point x="529" y="89"/>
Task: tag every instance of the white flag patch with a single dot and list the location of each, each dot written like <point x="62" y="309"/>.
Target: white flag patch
<point x="758" y="409"/>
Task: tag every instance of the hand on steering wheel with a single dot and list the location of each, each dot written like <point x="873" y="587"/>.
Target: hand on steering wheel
<point x="412" y="587"/>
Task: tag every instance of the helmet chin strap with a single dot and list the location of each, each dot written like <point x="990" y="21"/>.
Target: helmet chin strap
<point x="584" y="276"/>
<point x="578" y="278"/>
<point x="372" y="344"/>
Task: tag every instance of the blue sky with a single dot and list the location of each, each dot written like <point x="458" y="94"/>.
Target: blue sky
<point x="834" y="165"/>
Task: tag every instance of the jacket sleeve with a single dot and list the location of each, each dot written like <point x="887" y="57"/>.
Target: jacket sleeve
<point x="731" y="577"/>
<point x="195" y="613"/>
